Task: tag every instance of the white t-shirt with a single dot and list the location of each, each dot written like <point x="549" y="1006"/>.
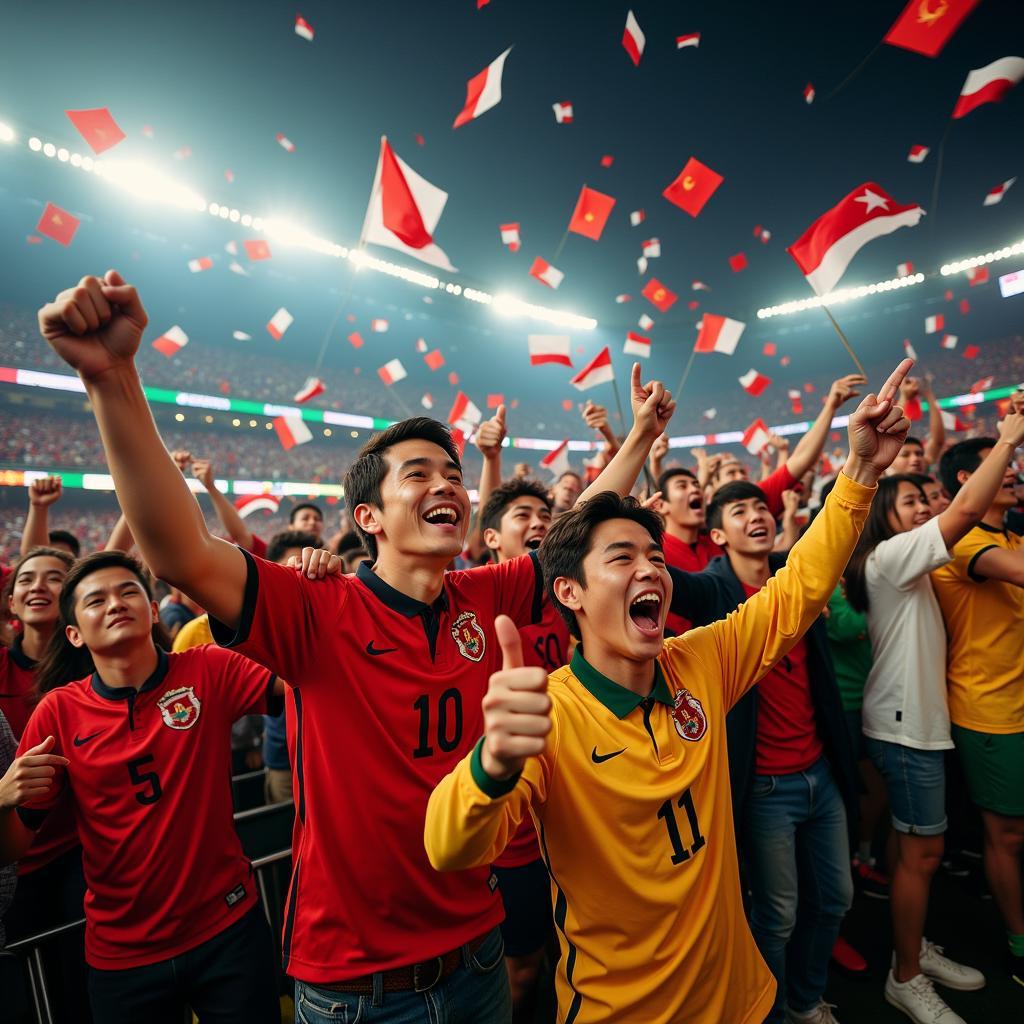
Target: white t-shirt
<point x="905" y="693"/>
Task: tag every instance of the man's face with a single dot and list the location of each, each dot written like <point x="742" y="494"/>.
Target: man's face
<point x="1006" y="496"/>
<point x="937" y="500"/>
<point x="524" y="524"/>
<point x="424" y="505"/>
<point x="625" y="602"/>
<point x="566" y="491"/>
<point x="909" y="460"/>
<point x="911" y="509"/>
<point x="34" y="598"/>
<point x="112" y="612"/>
<point x="730" y="471"/>
<point x="747" y="527"/>
<point x="308" y="520"/>
<point x="683" y="502"/>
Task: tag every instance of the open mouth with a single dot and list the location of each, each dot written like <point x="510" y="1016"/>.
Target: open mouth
<point x="645" y="612"/>
<point x="758" y="533"/>
<point x="38" y="603"/>
<point x="696" y="503"/>
<point x="532" y="543"/>
<point x="442" y="515"/>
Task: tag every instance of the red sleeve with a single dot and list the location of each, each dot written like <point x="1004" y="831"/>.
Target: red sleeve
<point x="285" y="617"/>
<point x="518" y="588"/>
<point x="44" y="722"/>
<point x="242" y="686"/>
<point x="259" y="547"/>
<point x="779" y="481"/>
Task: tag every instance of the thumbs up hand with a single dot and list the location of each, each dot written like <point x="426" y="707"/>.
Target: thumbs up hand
<point x="517" y="709"/>
<point x="491" y="434"/>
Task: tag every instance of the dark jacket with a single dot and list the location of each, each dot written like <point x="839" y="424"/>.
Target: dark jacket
<point x="703" y="598"/>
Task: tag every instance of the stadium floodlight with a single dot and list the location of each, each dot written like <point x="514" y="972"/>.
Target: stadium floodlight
<point x="839" y="296"/>
<point x="6" y="133"/>
<point x="148" y="183"/>
<point x="982" y="259"/>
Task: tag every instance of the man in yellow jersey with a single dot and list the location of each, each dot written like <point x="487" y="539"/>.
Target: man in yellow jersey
<point x="623" y="761"/>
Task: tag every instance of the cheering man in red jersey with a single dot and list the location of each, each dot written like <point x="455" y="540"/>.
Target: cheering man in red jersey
<point x="388" y="668"/>
<point x="172" y="914"/>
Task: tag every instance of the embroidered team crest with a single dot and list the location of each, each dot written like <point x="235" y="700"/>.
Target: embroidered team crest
<point x="469" y="635"/>
<point x="688" y="714"/>
<point x="180" y="708"/>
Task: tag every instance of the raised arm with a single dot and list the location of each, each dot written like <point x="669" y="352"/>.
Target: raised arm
<point x="121" y="538"/>
<point x="656" y="462"/>
<point x="96" y="328"/>
<point x="790" y="532"/>
<point x="202" y="470"/>
<point x="489" y="439"/>
<point x="652" y="409"/>
<point x="596" y="417"/>
<point x="809" y="448"/>
<point x="936" y="428"/>
<point x="42" y="493"/>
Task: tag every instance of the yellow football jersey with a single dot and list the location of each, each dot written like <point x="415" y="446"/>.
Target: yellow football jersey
<point x="632" y="805"/>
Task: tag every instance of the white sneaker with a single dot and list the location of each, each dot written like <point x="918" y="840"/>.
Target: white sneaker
<point x="918" y="999"/>
<point x="948" y="972"/>
<point x="820" y="1014"/>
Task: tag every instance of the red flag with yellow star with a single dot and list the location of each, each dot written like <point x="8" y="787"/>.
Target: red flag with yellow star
<point x="591" y="213"/>
<point x="925" y="26"/>
<point x="694" y="186"/>
<point x="57" y="224"/>
<point x="658" y="295"/>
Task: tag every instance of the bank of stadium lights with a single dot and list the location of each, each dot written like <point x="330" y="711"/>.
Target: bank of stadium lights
<point x="6" y="133"/>
<point x="152" y="185"/>
<point x="982" y="260"/>
<point x="839" y="296"/>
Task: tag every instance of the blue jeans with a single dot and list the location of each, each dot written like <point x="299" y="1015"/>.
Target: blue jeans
<point x="477" y="991"/>
<point x="798" y="862"/>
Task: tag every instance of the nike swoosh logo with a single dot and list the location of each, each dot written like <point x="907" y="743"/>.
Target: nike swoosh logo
<point x="79" y="740"/>
<point x="598" y="758"/>
<point x="370" y="649"/>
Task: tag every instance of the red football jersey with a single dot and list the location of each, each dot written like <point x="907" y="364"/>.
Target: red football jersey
<point x="150" y="780"/>
<point x="689" y="558"/>
<point x="387" y="699"/>
<point x="17" y="680"/>
<point x="545" y="645"/>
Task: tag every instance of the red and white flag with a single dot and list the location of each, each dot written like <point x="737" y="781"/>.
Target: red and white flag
<point x="435" y="360"/>
<point x="404" y="210"/>
<point x="557" y="460"/>
<point x="709" y="414"/>
<point x="637" y="345"/>
<point x="763" y="234"/>
<point x="510" y="236"/>
<point x="718" y="334"/>
<point x="700" y="286"/>
<point x="689" y="39"/>
<point x="392" y="372"/>
<point x="917" y="154"/>
<point x="645" y="322"/>
<point x="951" y="421"/>
<point x="652" y="248"/>
<point x="755" y="437"/>
<point x="796" y="398"/>
<point x="563" y="112"/>
<point x="379" y="326"/>
<point x="279" y="323"/>
<point x="483" y="91"/>
<point x="314" y="386"/>
<point x="291" y="431"/>
<point x="982" y="385"/>
<point x="972" y="352"/>
<point x="809" y="93"/>
<point x="637" y="218"/>
<point x="249" y="503"/>
<point x="421" y="345"/>
<point x="977" y="275"/>
<point x="754" y="383"/>
<point x="303" y="28"/>
<point x="464" y="414"/>
<point x="995" y="195"/>
<point x="904" y="269"/>
<point x="241" y="336"/>
<point x="549" y="348"/>
<point x="203" y="263"/>
<point x="427" y="401"/>
<point x="597" y="371"/>
<point x="932" y="324"/>
<point x="909" y="349"/>
<point x="949" y="341"/>
<point x="545" y="273"/>
<point x="285" y="143"/>
<point x="620" y="299"/>
<point x="641" y="265"/>
<point x="633" y="39"/>
<point x="171" y="342"/>
<point x="989" y="84"/>
<point x="825" y="249"/>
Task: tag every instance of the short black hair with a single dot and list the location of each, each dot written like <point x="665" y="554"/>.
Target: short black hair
<point x="281" y="542"/>
<point x="349" y="541"/>
<point x="65" y="537"/>
<point x="366" y="474"/>
<point x="920" y="478"/>
<point x="735" y="490"/>
<point x="569" y="472"/>
<point x="506" y="493"/>
<point x="568" y="542"/>
<point x="301" y="505"/>
<point x="912" y="440"/>
<point x="674" y="472"/>
<point x="966" y="456"/>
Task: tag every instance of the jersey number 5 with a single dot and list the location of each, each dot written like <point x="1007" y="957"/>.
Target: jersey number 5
<point x="150" y="780"/>
<point x="449" y="722"/>
<point x="667" y="812"/>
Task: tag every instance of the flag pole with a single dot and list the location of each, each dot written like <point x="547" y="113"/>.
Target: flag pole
<point x="855" y="72"/>
<point x="561" y="246"/>
<point x="686" y="373"/>
<point x="846" y="343"/>
<point x="934" y="212"/>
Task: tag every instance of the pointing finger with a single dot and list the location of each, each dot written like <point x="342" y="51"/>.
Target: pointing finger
<point x="509" y="641"/>
<point x="896" y="378"/>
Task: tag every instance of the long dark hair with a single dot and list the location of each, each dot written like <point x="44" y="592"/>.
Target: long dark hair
<point x="876" y="529"/>
<point x="40" y="551"/>
<point x="63" y="662"/>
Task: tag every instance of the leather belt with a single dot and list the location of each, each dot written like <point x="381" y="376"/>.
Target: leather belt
<point x="419" y="977"/>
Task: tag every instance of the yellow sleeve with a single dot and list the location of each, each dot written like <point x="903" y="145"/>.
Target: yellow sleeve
<point x="750" y="640"/>
<point x="193" y="634"/>
<point x="471" y="817"/>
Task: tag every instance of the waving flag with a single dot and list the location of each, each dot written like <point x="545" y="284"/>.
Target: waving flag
<point x="464" y="414"/>
<point x="392" y="372"/>
<point x="989" y="84"/>
<point x="949" y="341"/>
<point x="690" y="39"/>
<point x="291" y="431"/>
<point x="314" y="386"/>
<point x="754" y="383"/>
<point x="925" y="26"/>
<point x="249" y="503"/>
<point x="977" y="275"/>
<point x="825" y="249"/>
<point x="549" y="348"/>
<point x="755" y="437"/>
<point x="434" y="359"/>
<point x="200" y="264"/>
<point x="557" y="460"/>
<point x="545" y="273"/>
<point x="659" y="295"/>
<point x="637" y="345"/>
<point x="694" y="186"/>
<point x="171" y="342"/>
<point x="904" y="269"/>
<point x="597" y="371"/>
<point x="933" y="324"/>
<point x="718" y="334"/>
<point x="651" y="248"/>
<point x="279" y="323"/>
<point x="57" y="224"/>
<point x="909" y="349"/>
<point x="257" y="249"/>
<point x="510" y="236"/>
<point x="563" y="112"/>
<point x="917" y="154"/>
<point x="646" y="323"/>
<point x="404" y="210"/>
<point x="97" y="127"/>
<point x="809" y="93"/>
<point x="591" y="214"/>
<point x="303" y="28"/>
<point x="633" y="39"/>
<point x="995" y="195"/>
<point x="483" y="91"/>
<point x="285" y="143"/>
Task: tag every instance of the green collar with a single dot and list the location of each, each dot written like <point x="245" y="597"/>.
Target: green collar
<point x="617" y="699"/>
